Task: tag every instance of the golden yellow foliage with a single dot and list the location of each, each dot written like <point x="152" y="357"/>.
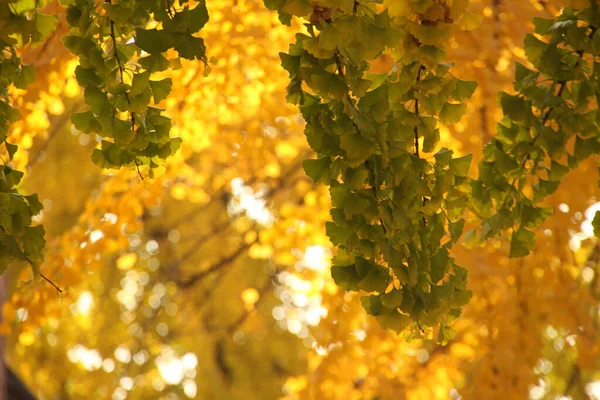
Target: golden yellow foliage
<point x="211" y="280"/>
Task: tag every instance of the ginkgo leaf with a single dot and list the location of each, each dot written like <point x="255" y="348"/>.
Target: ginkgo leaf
<point x="445" y="334"/>
<point x="392" y="299"/>
<point x="34" y="204"/>
<point x="160" y="89"/>
<point x="460" y="166"/>
<point x="464" y="90"/>
<point x="317" y="170"/>
<point x="152" y="40"/>
<point x="394" y="321"/>
<point x="154" y="63"/>
<point x="470" y="21"/>
<point x="86" y="122"/>
<point x="297" y="7"/>
<point x="452" y="113"/>
<point x="522" y="242"/>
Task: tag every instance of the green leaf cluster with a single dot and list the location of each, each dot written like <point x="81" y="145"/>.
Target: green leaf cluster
<point x="554" y="104"/>
<point x="395" y="214"/>
<point x="19" y="239"/>
<point x="118" y="55"/>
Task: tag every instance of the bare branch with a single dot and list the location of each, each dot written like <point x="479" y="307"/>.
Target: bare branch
<point x="215" y="267"/>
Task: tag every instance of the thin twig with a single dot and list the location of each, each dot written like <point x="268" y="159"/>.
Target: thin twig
<point x="137" y="167"/>
<point x="220" y="264"/>
<point x="52" y="283"/>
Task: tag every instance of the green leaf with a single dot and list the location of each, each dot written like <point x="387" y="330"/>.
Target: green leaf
<point x="345" y="277"/>
<point x="45" y="24"/>
<point x="111" y="155"/>
<point x="375" y="278"/>
<point x="154" y="63"/>
<point x="298" y="8"/>
<point x="336" y="234"/>
<point x="432" y="55"/>
<point x="535" y="216"/>
<point x="461" y="298"/>
<point x="189" y="47"/>
<point x="329" y="85"/>
<point x="439" y="265"/>
<point x="86" y="122"/>
<point x="542" y="25"/>
<point x="464" y="90"/>
<point x="452" y="113"/>
<point x="11" y="149"/>
<point x="460" y="166"/>
<point x="504" y="163"/>
<point x="357" y="148"/>
<point x="189" y="21"/>
<point x="515" y="107"/>
<point x="161" y="89"/>
<point x="392" y="299"/>
<point x="394" y="321"/>
<point x="153" y="41"/>
<point x="522" y="243"/>
<point x="445" y="334"/>
<point x="372" y="304"/>
<point x="557" y="171"/>
<point x="21" y="7"/>
<point x="33" y="241"/>
<point x="470" y="21"/>
<point x="596" y="224"/>
<point x="534" y="49"/>
<point x="456" y="229"/>
<point x="140" y="83"/>
<point x="443" y="157"/>
<point x="87" y="77"/>
<point x="318" y="170"/>
<point x="78" y="45"/>
<point x="97" y="101"/>
<point x="34" y="204"/>
<point x="25" y="77"/>
<point x="524" y="77"/>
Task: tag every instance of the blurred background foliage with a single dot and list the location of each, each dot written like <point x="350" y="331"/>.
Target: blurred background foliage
<point x="211" y="280"/>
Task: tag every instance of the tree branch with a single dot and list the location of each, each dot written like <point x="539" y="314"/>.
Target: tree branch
<point x="215" y="267"/>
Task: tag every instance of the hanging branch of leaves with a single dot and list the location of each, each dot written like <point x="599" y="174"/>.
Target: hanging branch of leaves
<point x="120" y="46"/>
<point x="550" y="127"/>
<point x="396" y="211"/>
<point x="20" y="241"/>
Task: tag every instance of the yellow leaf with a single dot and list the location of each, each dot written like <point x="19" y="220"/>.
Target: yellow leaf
<point x="398" y="8"/>
<point x="470" y="21"/>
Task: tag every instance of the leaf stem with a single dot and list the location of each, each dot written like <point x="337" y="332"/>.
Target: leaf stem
<point x="52" y="283"/>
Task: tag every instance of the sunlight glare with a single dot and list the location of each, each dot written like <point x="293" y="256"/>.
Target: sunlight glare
<point x="85" y="302"/>
<point x="316" y="258"/>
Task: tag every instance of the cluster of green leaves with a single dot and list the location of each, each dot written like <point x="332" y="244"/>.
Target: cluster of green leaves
<point x="550" y="126"/>
<point x="117" y="84"/>
<point x="395" y="213"/>
<point x="19" y="240"/>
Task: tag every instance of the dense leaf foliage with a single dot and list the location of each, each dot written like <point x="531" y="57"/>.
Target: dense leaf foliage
<point x="552" y="117"/>
<point x="395" y="213"/>
<point x="230" y="232"/>
<point x="19" y="240"/>
<point x="118" y="89"/>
